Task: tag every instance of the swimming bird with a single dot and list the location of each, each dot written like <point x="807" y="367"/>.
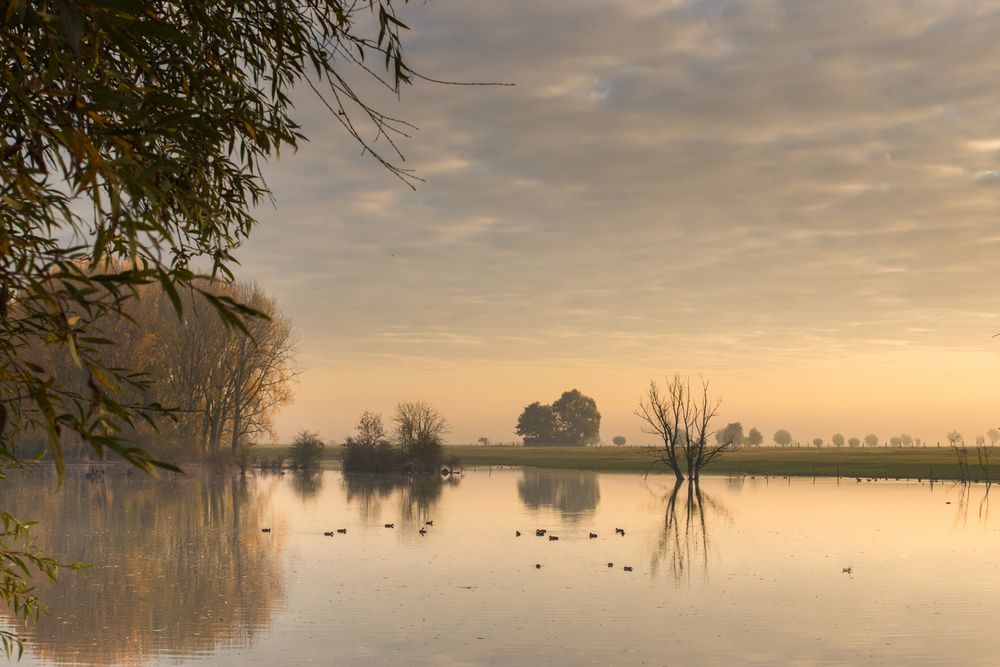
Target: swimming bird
<point x="342" y="531"/>
<point x="593" y="535"/>
<point x="430" y="523"/>
<point x="539" y="532"/>
<point x="620" y="531"/>
<point x="265" y="530"/>
<point x="847" y="570"/>
<point x="628" y="568"/>
<point x="390" y="525"/>
<point x="422" y="531"/>
<point x="538" y="566"/>
<point x="552" y="538"/>
<point x="611" y="564"/>
<point x="517" y="533"/>
<point x="328" y="533"/>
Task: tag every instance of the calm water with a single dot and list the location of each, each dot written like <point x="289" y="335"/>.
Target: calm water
<point x="750" y="574"/>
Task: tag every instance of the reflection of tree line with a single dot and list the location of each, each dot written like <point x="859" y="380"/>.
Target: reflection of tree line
<point x="417" y="494"/>
<point x="179" y="566"/>
<point x="570" y="492"/>
<point x="684" y="541"/>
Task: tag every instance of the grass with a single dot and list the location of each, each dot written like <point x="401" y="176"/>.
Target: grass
<point x="910" y="463"/>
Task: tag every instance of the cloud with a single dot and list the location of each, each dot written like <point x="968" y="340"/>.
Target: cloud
<point x="734" y="181"/>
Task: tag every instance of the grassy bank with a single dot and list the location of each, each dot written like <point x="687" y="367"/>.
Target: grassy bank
<point x="903" y="463"/>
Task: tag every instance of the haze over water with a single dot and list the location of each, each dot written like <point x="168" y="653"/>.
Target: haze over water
<point x="751" y="575"/>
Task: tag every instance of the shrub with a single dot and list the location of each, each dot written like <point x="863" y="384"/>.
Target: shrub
<point x="306" y="449"/>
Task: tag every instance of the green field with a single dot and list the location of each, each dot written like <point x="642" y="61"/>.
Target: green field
<point x="913" y="463"/>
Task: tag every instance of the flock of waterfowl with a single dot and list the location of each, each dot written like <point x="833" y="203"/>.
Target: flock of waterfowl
<point x="539" y="532"/>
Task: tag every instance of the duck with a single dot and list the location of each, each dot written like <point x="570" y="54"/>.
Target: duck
<point x="328" y="533"/>
<point x="552" y="538"/>
<point x="593" y="535"/>
<point x="390" y="525"/>
<point x="620" y="531"/>
<point x="265" y="530"/>
<point x="539" y="532"/>
<point x="422" y="531"/>
<point x="628" y="568"/>
<point x="611" y="564"/>
<point x="429" y="523"/>
<point x="538" y="566"/>
<point x="342" y="531"/>
<point x="517" y="533"/>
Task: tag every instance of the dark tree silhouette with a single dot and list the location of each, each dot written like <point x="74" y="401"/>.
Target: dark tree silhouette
<point x="571" y="420"/>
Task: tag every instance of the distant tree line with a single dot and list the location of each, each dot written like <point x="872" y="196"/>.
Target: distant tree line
<point x="573" y="420"/>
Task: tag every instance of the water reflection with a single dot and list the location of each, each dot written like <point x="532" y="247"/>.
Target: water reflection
<point x="684" y="542"/>
<point x="417" y="496"/>
<point x="307" y="482"/>
<point x="179" y="565"/>
<point x="572" y="493"/>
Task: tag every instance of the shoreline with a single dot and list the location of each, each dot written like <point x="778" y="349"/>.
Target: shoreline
<point x="923" y="463"/>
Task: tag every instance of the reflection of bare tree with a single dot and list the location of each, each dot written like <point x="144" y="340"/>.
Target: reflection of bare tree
<point x="180" y="566"/>
<point x="684" y="541"/>
<point x="571" y="492"/>
<point x="964" y="501"/>
<point x="417" y="494"/>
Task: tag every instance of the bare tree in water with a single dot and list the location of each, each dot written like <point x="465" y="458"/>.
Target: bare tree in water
<point x="682" y="419"/>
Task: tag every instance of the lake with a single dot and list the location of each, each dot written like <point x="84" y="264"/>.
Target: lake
<point x="749" y="571"/>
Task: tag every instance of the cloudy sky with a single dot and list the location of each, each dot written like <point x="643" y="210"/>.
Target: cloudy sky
<point x="796" y="199"/>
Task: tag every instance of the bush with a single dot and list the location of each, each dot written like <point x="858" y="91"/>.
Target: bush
<point x="306" y="449"/>
<point x="364" y="457"/>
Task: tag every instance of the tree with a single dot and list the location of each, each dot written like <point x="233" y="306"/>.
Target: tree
<point x="896" y="441"/>
<point x="571" y="420"/>
<point x="369" y="450"/>
<point x="754" y="438"/>
<point x="306" y="449"/>
<point x="483" y="441"/>
<point x="837" y="439"/>
<point x="682" y="420"/>
<point x="419" y="432"/>
<point x="619" y="440"/>
<point x="732" y="433"/>
<point x="135" y="135"/>
<point x="853" y="442"/>
<point x="578" y="420"/>
<point x="537" y="424"/>
<point x="906" y="440"/>
<point x="817" y="442"/>
<point x="782" y="438"/>
<point x="994" y="435"/>
<point x="871" y="440"/>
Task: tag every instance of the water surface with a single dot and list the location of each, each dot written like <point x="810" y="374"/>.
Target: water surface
<point x="745" y="571"/>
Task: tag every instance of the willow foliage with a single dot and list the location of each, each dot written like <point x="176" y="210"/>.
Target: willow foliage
<point x="132" y="138"/>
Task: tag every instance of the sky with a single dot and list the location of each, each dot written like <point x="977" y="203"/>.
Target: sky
<point x="797" y="200"/>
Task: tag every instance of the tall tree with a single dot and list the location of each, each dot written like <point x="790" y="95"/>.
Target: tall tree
<point x="578" y="420"/>
<point x="754" y="438"/>
<point x="837" y="440"/>
<point x="537" y="424"/>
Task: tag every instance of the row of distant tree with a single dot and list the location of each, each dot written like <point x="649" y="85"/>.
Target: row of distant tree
<point x="573" y="420"/>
